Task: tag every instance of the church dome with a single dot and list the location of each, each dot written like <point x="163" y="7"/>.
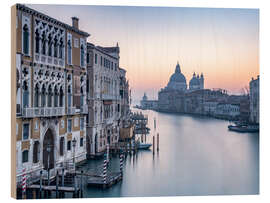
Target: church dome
<point x="194" y="81"/>
<point x="177" y="80"/>
<point x="144" y="97"/>
<point x="178" y="76"/>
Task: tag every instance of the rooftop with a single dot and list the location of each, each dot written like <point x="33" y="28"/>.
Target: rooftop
<point x="50" y="19"/>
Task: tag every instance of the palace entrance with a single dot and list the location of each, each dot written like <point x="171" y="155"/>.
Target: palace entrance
<point x="48" y="150"/>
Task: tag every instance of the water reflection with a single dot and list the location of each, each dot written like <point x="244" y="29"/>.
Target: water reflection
<point x="197" y="156"/>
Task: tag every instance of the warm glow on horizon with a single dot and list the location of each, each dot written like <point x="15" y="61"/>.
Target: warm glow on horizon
<point x="223" y="44"/>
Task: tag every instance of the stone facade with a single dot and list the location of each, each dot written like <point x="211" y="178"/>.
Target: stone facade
<point x="104" y="100"/>
<point x="124" y="97"/>
<point x="254" y="87"/>
<point x="50" y="91"/>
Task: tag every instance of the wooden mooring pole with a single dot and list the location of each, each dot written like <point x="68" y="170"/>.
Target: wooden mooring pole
<point x="104" y="173"/>
<point x="75" y="186"/>
<point x="56" y="185"/>
<point x="121" y="164"/>
<point x="153" y="144"/>
<point x="40" y="185"/>
<point x="63" y="177"/>
<point x="81" y="189"/>
<point x="158" y="142"/>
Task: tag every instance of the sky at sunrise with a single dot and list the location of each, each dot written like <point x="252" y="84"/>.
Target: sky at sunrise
<point x="223" y="44"/>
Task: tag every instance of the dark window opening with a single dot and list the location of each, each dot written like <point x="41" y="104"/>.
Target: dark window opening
<point x="25" y="156"/>
<point x="69" y="145"/>
<point x="62" y="141"/>
<point x="81" y="141"/>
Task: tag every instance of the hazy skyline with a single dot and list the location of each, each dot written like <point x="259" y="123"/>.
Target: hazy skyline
<point x="223" y="44"/>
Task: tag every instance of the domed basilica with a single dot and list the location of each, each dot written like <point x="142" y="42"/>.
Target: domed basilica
<point x="178" y="81"/>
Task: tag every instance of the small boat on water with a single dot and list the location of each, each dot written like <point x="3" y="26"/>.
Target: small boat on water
<point x="144" y="146"/>
<point x="244" y="128"/>
<point x="141" y="145"/>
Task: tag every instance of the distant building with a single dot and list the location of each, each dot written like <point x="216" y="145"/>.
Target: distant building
<point x="196" y="82"/>
<point x="173" y="97"/>
<point x="104" y="101"/>
<point x="254" y="87"/>
<point x="124" y="96"/>
<point x="227" y="110"/>
<point x="210" y="107"/>
<point x="178" y="81"/>
<point x="148" y="104"/>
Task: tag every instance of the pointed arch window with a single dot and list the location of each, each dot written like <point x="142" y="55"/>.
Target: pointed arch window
<point x="37" y="41"/>
<point x="43" y="43"/>
<point x="82" y="55"/>
<point x="95" y="114"/>
<point x="82" y="97"/>
<point x="55" y="97"/>
<point x="36" y="95"/>
<point x="50" y="96"/>
<point x="69" y="96"/>
<point x="55" y="47"/>
<point x="69" y="51"/>
<point x="61" y="48"/>
<point x="25" y="39"/>
<point x="43" y="96"/>
<point x="61" y="100"/>
<point x="25" y="94"/>
<point x="50" y="45"/>
<point x="101" y="114"/>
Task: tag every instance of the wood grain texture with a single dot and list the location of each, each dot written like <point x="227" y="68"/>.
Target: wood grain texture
<point x="13" y="101"/>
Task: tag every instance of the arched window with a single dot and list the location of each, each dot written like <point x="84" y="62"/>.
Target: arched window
<point x="36" y="152"/>
<point x="82" y="55"/>
<point x="61" y="97"/>
<point x="25" y="39"/>
<point x="69" y="51"/>
<point x="82" y="97"/>
<point x="50" y="96"/>
<point x="37" y="41"/>
<point x="55" y="47"/>
<point x="50" y="45"/>
<point x="69" y="96"/>
<point x="55" y="97"/>
<point x="25" y="94"/>
<point x="36" y="95"/>
<point x="43" y="96"/>
<point x="25" y="156"/>
<point x="95" y="114"/>
<point x="101" y="114"/>
<point x="61" y="48"/>
<point x="44" y="43"/>
<point x="62" y="142"/>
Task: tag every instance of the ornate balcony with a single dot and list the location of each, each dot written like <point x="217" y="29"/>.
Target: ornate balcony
<point x="43" y="112"/>
<point x="110" y="97"/>
<point x="71" y="110"/>
<point x="49" y="60"/>
<point x="84" y="109"/>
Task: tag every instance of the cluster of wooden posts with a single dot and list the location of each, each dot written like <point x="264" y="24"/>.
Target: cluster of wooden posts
<point x="60" y="185"/>
<point x="107" y="179"/>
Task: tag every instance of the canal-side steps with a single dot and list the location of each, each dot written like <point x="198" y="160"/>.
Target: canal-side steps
<point x="98" y="181"/>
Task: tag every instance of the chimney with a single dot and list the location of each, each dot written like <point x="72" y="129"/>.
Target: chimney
<point x="75" y="22"/>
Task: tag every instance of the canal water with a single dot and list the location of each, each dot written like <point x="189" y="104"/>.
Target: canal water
<point x="197" y="156"/>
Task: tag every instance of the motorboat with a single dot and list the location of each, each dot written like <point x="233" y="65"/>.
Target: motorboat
<point x="249" y="128"/>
